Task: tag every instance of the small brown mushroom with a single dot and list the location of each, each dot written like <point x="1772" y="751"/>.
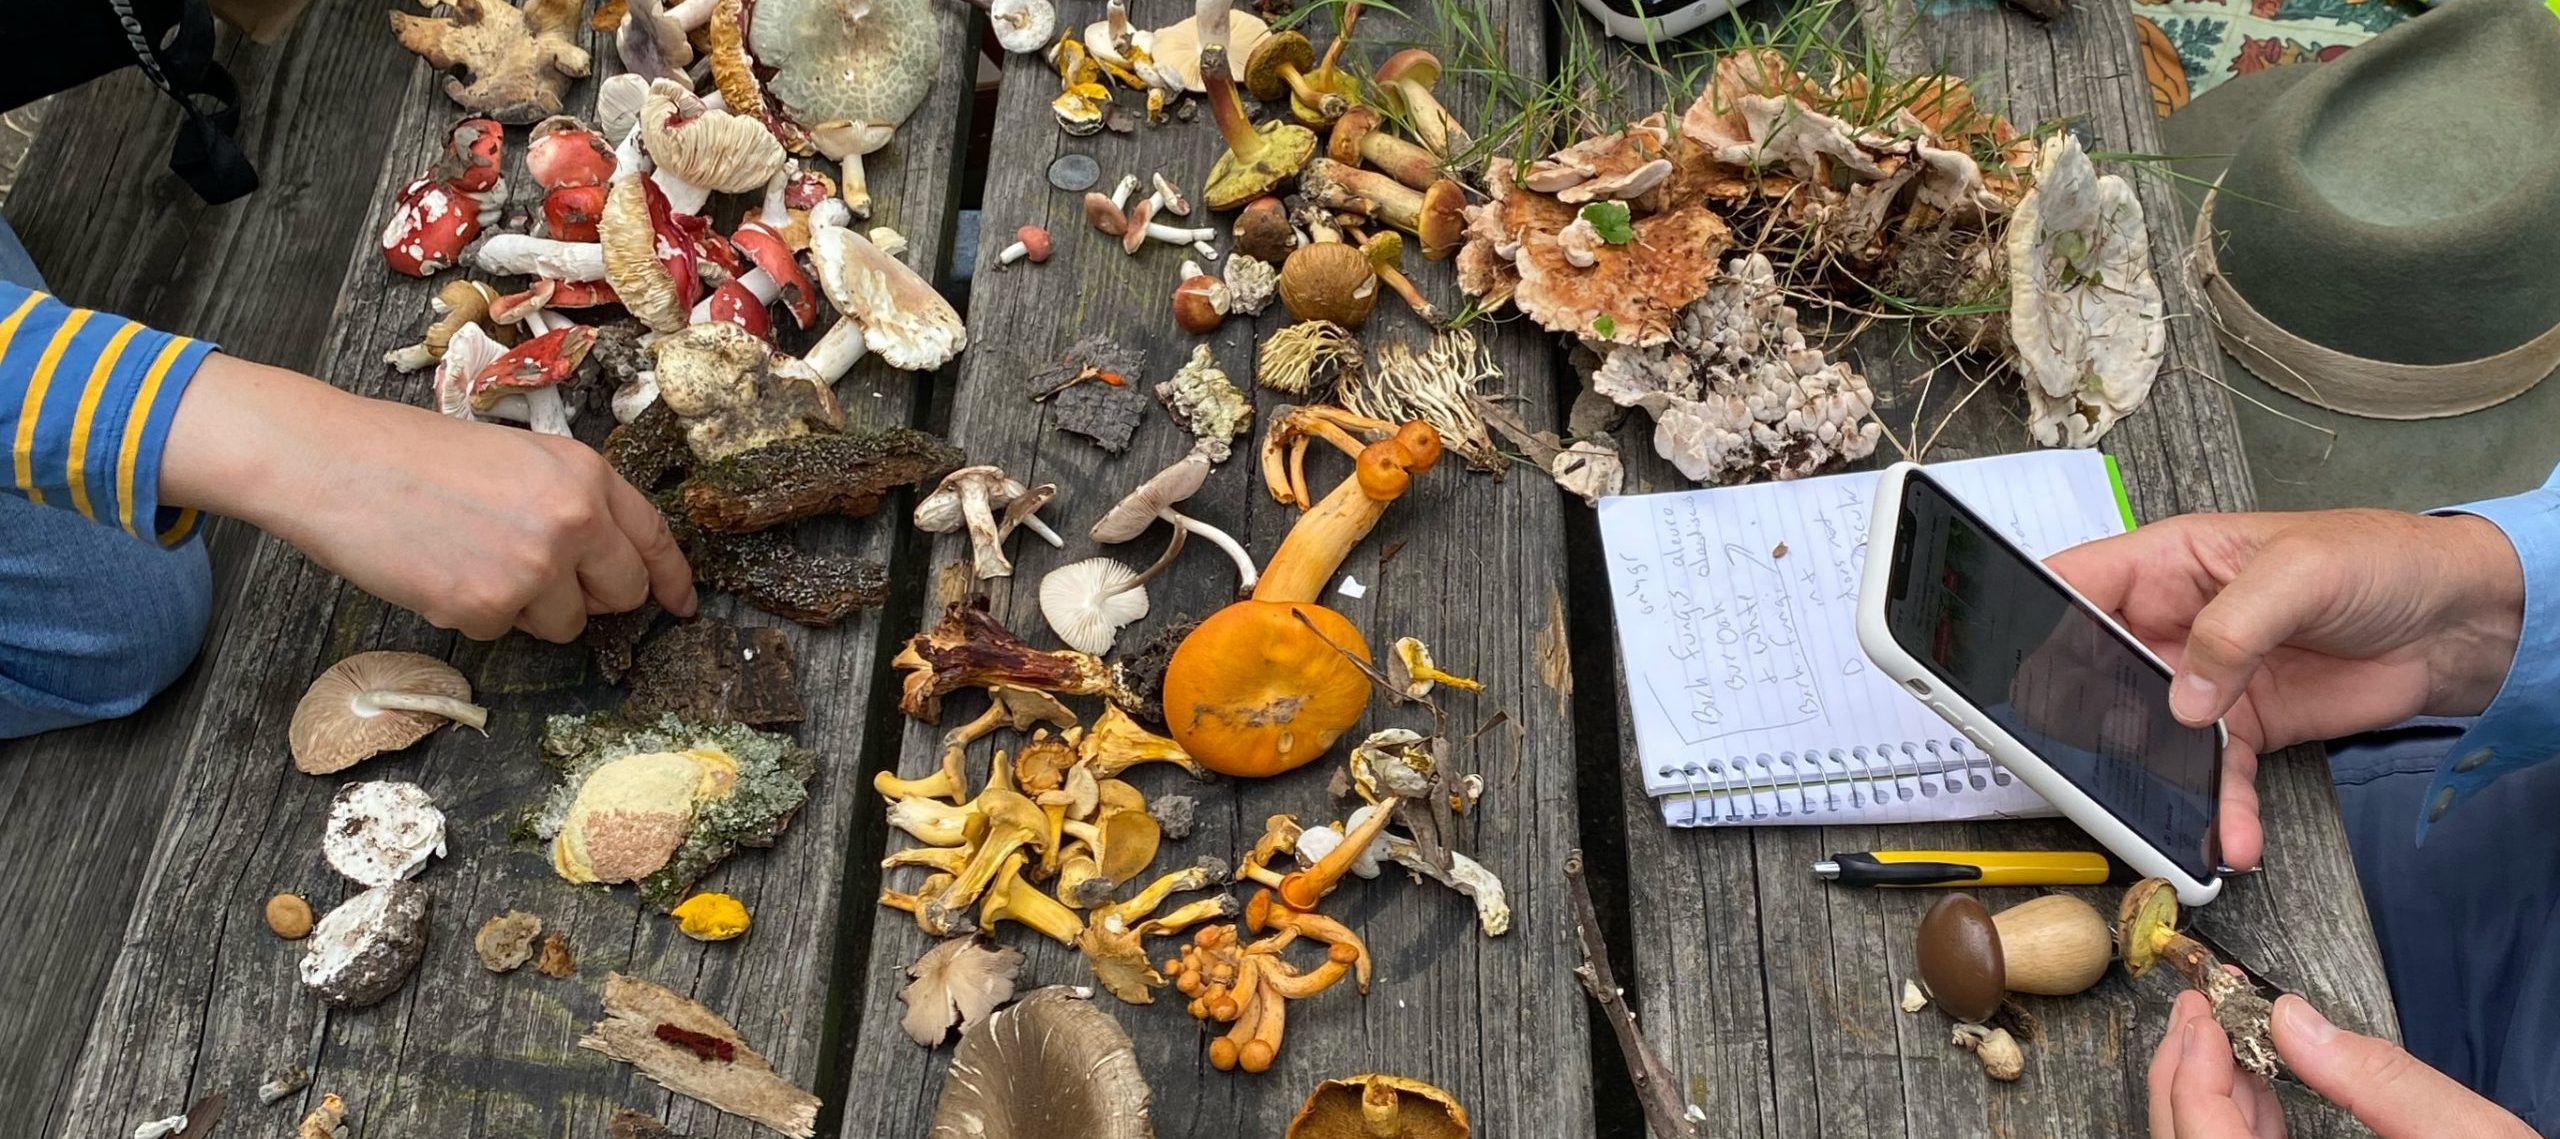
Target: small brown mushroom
<point x="1030" y="241"/>
<point x="969" y="497"/>
<point x="1404" y="84"/>
<point x="1329" y="281"/>
<point x="375" y="702"/>
<point x="1200" y="301"/>
<point x="1436" y="216"/>
<point x="1970" y="960"/>
<point x="1361" y="136"/>
<point x="1050" y="1065"/>
<point x="289" y="917"/>
<point x="1103" y="214"/>
<point x="1262" y="230"/>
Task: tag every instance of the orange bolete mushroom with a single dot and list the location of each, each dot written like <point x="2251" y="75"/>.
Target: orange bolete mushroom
<point x="1267" y="684"/>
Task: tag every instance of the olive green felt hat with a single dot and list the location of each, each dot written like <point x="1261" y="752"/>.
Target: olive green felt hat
<point x="2381" y="259"/>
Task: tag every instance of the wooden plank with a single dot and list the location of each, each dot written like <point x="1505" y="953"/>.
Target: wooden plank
<point x="1500" y="1022"/>
<point x="115" y="231"/>
<point x="203" y="999"/>
<point x="1772" y="995"/>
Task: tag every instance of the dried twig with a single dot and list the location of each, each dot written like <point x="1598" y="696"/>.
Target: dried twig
<point x="1656" y="1089"/>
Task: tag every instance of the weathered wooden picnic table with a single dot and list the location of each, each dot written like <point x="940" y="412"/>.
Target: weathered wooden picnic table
<point x="138" y="978"/>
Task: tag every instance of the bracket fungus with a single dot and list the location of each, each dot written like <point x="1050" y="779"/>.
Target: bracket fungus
<point x="810" y="475"/>
<point x="969" y="498"/>
<point x="692" y="1051"/>
<point x="1375" y="1106"/>
<point x="1735" y="390"/>
<point x="373" y="702"/>
<point x="520" y="59"/>
<point x="381" y="832"/>
<point x="888" y="310"/>
<point x="955" y="985"/>
<point x="659" y="805"/>
<point x="1971" y="959"/>
<point x="1052" y="1064"/>
<point x="1257" y="158"/>
<point x="1156" y="498"/>
<point x="362" y="951"/>
<point x="1263" y="685"/>
<point x="1517" y="248"/>
<point x="2084" y="307"/>
<point x="2147" y="934"/>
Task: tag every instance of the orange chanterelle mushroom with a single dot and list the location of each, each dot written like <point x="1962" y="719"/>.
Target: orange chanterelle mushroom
<point x="1264" y="685"/>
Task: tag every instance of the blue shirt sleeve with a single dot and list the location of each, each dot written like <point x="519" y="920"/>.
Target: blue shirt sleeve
<point x="2521" y="725"/>
<point x="85" y="401"/>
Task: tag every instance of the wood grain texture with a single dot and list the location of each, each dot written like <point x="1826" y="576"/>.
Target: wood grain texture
<point x="1774" y="995"/>
<point x="201" y="998"/>
<point x="1500" y="1021"/>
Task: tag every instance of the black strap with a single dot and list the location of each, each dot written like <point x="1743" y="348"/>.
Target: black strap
<point x="207" y="158"/>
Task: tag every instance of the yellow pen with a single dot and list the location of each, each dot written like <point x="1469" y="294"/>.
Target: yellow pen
<point x="1968" y="868"/>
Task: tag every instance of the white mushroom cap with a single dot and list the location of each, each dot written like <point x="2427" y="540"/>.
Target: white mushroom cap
<point x="1023" y="25"/>
<point x="904" y="321"/>
<point x="713" y="149"/>
<point x="375" y="702"/>
<point x="382" y="831"/>
<point x="618" y="100"/>
<point x="1089" y="602"/>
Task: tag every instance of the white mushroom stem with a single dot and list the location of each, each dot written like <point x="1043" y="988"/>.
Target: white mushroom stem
<point x="715" y="100"/>
<point x="1206" y="251"/>
<point x="1033" y="523"/>
<point x="838" y="351"/>
<point x="1120" y="193"/>
<point x="690" y="14"/>
<point x="855" y="190"/>
<point x="830" y="212"/>
<point x="682" y="197"/>
<point x="541" y="409"/>
<point x="1244" y="561"/>
<point x="1012" y="253"/>
<point x="635" y="396"/>
<point x="410" y="357"/>
<point x="630" y="157"/>
<point x="1174" y="235"/>
<point x="757" y="281"/>
<point x="523" y="255"/>
<point x="374" y="702"/>
<point x="776" y="212"/>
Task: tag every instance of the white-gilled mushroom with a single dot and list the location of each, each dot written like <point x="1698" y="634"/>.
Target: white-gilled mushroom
<point x="1087" y="603"/>
<point x="887" y="309"/>
<point x="969" y="498"/>
<point x="375" y="702"/>
<point x="1156" y="498"/>
<point x="381" y="832"/>
<point x="844" y="142"/>
<point x="647" y="260"/>
<point x="618" y="100"/>
<point x="1022" y="25"/>
<point x="698" y="150"/>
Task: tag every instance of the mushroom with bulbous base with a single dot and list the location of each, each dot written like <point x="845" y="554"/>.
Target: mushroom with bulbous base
<point x="2147" y="934"/>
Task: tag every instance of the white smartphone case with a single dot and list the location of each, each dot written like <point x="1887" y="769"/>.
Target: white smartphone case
<point x="1985" y="733"/>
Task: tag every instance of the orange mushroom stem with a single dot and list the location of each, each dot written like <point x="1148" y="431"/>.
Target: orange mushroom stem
<point x="1317" y="545"/>
<point x="1302" y="890"/>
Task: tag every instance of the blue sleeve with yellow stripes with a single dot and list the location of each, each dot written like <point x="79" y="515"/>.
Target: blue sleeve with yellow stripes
<point x="85" y="400"/>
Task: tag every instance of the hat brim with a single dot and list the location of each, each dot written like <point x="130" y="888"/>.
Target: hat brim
<point x="2306" y="457"/>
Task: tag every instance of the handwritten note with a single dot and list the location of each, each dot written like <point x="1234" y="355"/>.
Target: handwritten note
<point x="1736" y="613"/>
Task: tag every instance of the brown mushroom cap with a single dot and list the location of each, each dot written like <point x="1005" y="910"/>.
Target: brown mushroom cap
<point x="1366" y="1106"/>
<point x="1343" y="145"/>
<point x="1263" y="231"/>
<point x="1412" y="65"/>
<point x="375" y="702"/>
<point x="1265" y="71"/>
<point x="1331" y="281"/>
<point x="1140" y="508"/>
<point x="1444" y="219"/>
<point x="1959" y="958"/>
<point x="1050" y="1065"/>
<point x="2149" y="907"/>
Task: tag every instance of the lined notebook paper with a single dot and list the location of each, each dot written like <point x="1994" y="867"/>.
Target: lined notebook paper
<point x="1736" y="612"/>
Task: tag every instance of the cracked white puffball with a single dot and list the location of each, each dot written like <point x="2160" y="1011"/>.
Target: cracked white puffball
<point x="382" y="831"/>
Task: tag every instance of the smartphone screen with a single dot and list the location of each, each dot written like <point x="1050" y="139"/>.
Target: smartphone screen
<point x="1987" y="622"/>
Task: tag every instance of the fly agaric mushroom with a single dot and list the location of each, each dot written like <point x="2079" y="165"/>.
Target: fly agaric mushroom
<point x="561" y="153"/>
<point x="968" y="649"/>
<point x="1361" y="136"/>
<point x="436" y="215"/>
<point x="1257" y="158"/>
<point x="1970" y="959"/>
<point x="1263" y="686"/>
<point x="1156" y="498"/>
<point x="1376" y="1106"/>
<point x="2147" y="934"/>
<point x="375" y="702"/>
<point x="969" y="497"/>
<point x="887" y="309"/>
<point x="523" y="384"/>
<point x="1049" y="1065"/>
<point x="1200" y="301"/>
<point x="1329" y="281"/>
<point x="699" y="150"/>
<point x="1277" y="68"/>
<point x="1436" y="216"/>
<point x="520" y="59"/>
<point x="1404" y="87"/>
<point x="456" y="304"/>
<point x="733" y="393"/>
<point x="362" y="951"/>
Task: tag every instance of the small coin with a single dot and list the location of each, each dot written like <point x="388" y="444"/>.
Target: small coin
<point x="1074" y="172"/>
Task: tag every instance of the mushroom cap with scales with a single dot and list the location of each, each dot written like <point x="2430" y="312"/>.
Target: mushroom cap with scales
<point x="904" y="321"/>
<point x="1050" y="1065"/>
<point x="375" y="702"/>
<point x="874" y="68"/>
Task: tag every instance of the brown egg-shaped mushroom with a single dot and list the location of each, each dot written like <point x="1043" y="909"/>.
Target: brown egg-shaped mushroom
<point x="1262" y="230"/>
<point x="1049" y="1065"/>
<point x="1958" y="955"/>
<point x="1375" y="1106"/>
<point x="375" y="702"/>
<point x="1330" y="281"/>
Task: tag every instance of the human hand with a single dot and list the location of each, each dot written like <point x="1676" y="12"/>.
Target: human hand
<point x="2198" y="1092"/>
<point x="2294" y="627"/>
<point x="477" y="528"/>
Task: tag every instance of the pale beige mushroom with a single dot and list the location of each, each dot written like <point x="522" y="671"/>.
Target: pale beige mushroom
<point x="887" y="309"/>
<point x="1050" y="1065"/>
<point x="375" y="702"/>
<point x="700" y="150"/>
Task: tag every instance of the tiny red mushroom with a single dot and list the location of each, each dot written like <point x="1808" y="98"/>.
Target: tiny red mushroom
<point x="570" y="212"/>
<point x="1029" y="241"/>
<point x="563" y="154"/>
<point x="735" y="303"/>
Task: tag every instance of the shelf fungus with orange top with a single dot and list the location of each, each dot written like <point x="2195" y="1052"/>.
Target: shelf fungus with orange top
<point x="1268" y="684"/>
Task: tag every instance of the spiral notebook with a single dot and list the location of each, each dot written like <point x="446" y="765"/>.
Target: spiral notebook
<point x="1737" y="635"/>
